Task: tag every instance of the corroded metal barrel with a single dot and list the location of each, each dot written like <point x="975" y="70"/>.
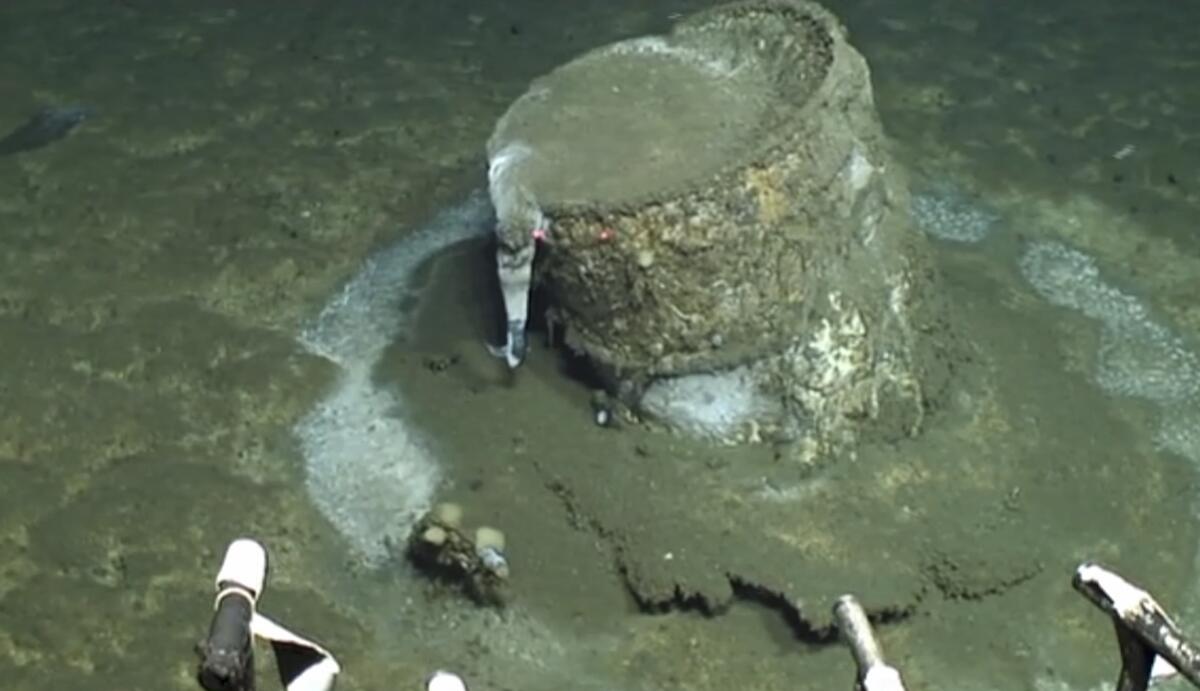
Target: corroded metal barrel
<point x="727" y="236"/>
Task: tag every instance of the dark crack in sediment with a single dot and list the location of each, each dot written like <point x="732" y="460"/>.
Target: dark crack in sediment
<point x="679" y="598"/>
<point x="976" y="579"/>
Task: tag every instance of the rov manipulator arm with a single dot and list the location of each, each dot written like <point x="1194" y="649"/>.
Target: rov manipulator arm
<point x="1152" y="646"/>
<point x="873" y="673"/>
<point x="227" y="654"/>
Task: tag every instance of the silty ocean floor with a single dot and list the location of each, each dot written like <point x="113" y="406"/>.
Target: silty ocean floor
<point x="167" y="265"/>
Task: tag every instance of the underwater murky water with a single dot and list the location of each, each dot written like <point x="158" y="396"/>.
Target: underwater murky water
<point x="248" y="297"/>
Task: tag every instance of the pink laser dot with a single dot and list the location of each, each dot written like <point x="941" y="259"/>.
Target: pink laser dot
<point x="606" y="234"/>
<point x="539" y="233"/>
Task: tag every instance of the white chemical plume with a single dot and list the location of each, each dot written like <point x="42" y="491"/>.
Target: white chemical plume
<point x="1138" y="356"/>
<point x="369" y="472"/>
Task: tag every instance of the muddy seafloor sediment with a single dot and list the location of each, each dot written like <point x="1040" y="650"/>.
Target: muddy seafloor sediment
<point x="158" y="263"/>
<point x="1026" y="474"/>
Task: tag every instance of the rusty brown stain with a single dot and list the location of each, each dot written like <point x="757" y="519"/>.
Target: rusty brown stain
<point x="772" y="204"/>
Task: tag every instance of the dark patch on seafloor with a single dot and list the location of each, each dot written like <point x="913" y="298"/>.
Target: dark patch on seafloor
<point x="44" y="127"/>
<point x="1024" y="476"/>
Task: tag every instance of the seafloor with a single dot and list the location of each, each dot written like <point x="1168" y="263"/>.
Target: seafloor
<point x="245" y="159"/>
